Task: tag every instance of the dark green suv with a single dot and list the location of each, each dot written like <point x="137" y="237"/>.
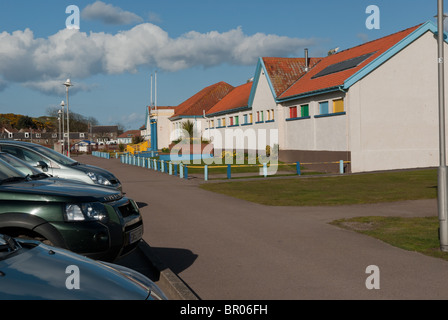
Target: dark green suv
<point x="94" y="221"/>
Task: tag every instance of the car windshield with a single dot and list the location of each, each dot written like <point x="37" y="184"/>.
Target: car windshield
<point x="19" y="164"/>
<point x="55" y="156"/>
<point x="10" y="174"/>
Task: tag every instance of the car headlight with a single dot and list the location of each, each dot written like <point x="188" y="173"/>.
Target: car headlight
<point x="94" y="211"/>
<point x="98" y="179"/>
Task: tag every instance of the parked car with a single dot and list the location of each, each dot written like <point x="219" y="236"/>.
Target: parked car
<point x="58" y="165"/>
<point x="91" y="220"/>
<point x="23" y="166"/>
<point x="30" y="270"/>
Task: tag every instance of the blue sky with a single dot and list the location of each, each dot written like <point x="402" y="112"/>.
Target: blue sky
<point x="191" y="44"/>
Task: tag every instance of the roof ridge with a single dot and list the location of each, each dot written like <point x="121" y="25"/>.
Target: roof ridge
<point x="379" y="39"/>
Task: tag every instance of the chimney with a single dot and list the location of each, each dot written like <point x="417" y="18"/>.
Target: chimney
<point x="306" y="60"/>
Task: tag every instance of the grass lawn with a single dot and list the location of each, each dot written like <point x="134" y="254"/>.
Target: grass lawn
<point x="413" y="234"/>
<point x="336" y="190"/>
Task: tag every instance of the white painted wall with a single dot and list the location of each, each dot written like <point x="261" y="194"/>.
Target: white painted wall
<point x="393" y="112"/>
<point x="243" y="136"/>
<point x="315" y="134"/>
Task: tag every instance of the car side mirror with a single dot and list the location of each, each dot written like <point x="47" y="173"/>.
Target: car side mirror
<point x="41" y="164"/>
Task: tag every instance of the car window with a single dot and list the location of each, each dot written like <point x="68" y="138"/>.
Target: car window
<point x="53" y="155"/>
<point x="24" y="154"/>
<point x="16" y="152"/>
<point x="18" y="164"/>
<point x="8" y="171"/>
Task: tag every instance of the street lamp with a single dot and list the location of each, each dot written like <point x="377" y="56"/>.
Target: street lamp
<point x="442" y="172"/>
<point x="59" y="121"/>
<point x="67" y="85"/>
<point x="63" y="126"/>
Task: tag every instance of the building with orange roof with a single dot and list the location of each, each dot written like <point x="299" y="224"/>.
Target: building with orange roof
<point x="374" y="105"/>
<point x="194" y="108"/>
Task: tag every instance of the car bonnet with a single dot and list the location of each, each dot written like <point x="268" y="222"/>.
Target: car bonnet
<point x="50" y="273"/>
<point x="57" y="190"/>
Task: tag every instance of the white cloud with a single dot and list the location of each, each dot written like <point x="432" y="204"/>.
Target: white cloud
<point x="109" y="14"/>
<point x="39" y="62"/>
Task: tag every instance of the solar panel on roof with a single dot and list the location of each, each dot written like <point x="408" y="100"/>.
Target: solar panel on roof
<point x="343" y="65"/>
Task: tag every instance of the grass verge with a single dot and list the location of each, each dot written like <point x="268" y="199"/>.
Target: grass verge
<point x="413" y="234"/>
<point x="336" y="190"/>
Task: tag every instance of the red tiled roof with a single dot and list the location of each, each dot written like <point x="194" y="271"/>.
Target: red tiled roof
<point x="237" y="98"/>
<point x="130" y="133"/>
<point x="283" y="72"/>
<point x="203" y="100"/>
<point x="377" y="47"/>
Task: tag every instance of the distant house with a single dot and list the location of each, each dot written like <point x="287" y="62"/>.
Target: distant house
<point x="104" y="134"/>
<point x="127" y="136"/>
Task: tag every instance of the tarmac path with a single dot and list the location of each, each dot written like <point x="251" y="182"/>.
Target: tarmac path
<point x="229" y="249"/>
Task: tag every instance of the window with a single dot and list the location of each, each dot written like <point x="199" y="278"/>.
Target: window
<point x="251" y="118"/>
<point x="219" y="122"/>
<point x="338" y="105"/>
<point x="223" y="122"/>
<point x="261" y="114"/>
<point x="212" y="123"/>
<point x="81" y="135"/>
<point x="293" y="112"/>
<point x="272" y="114"/>
<point x="304" y="111"/>
<point x="323" y="107"/>
<point x="237" y="120"/>
<point x="231" y="121"/>
<point x="245" y="119"/>
<point x="258" y="116"/>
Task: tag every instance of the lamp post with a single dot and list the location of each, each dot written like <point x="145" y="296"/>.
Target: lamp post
<point x="442" y="172"/>
<point x="59" y="121"/>
<point x="63" y="127"/>
<point x="67" y="85"/>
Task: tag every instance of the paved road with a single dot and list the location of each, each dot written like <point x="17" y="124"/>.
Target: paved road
<point x="226" y="248"/>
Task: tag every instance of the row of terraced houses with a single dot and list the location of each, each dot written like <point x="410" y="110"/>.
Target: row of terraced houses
<point x="374" y="105"/>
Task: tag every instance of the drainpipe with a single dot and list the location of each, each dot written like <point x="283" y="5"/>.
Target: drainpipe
<point x="306" y="60"/>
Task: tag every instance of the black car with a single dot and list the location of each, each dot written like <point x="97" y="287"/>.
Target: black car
<point x="94" y="221"/>
<point x="30" y="270"/>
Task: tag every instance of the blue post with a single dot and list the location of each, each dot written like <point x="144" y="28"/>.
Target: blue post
<point x="181" y="170"/>
<point x="298" y="168"/>
<point x="206" y="173"/>
<point x="175" y="170"/>
<point x="229" y="171"/>
<point x="170" y="170"/>
<point x="265" y="170"/>
<point x="162" y="166"/>
<point x="341" y="166"/>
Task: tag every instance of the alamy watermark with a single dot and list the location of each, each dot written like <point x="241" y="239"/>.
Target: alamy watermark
<point x="226" y="146"/>
<point x="373" y="20"/>
<point x="373" y="280"/>
<point x="73" y="21"/>
<point x="74" y="279"/>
